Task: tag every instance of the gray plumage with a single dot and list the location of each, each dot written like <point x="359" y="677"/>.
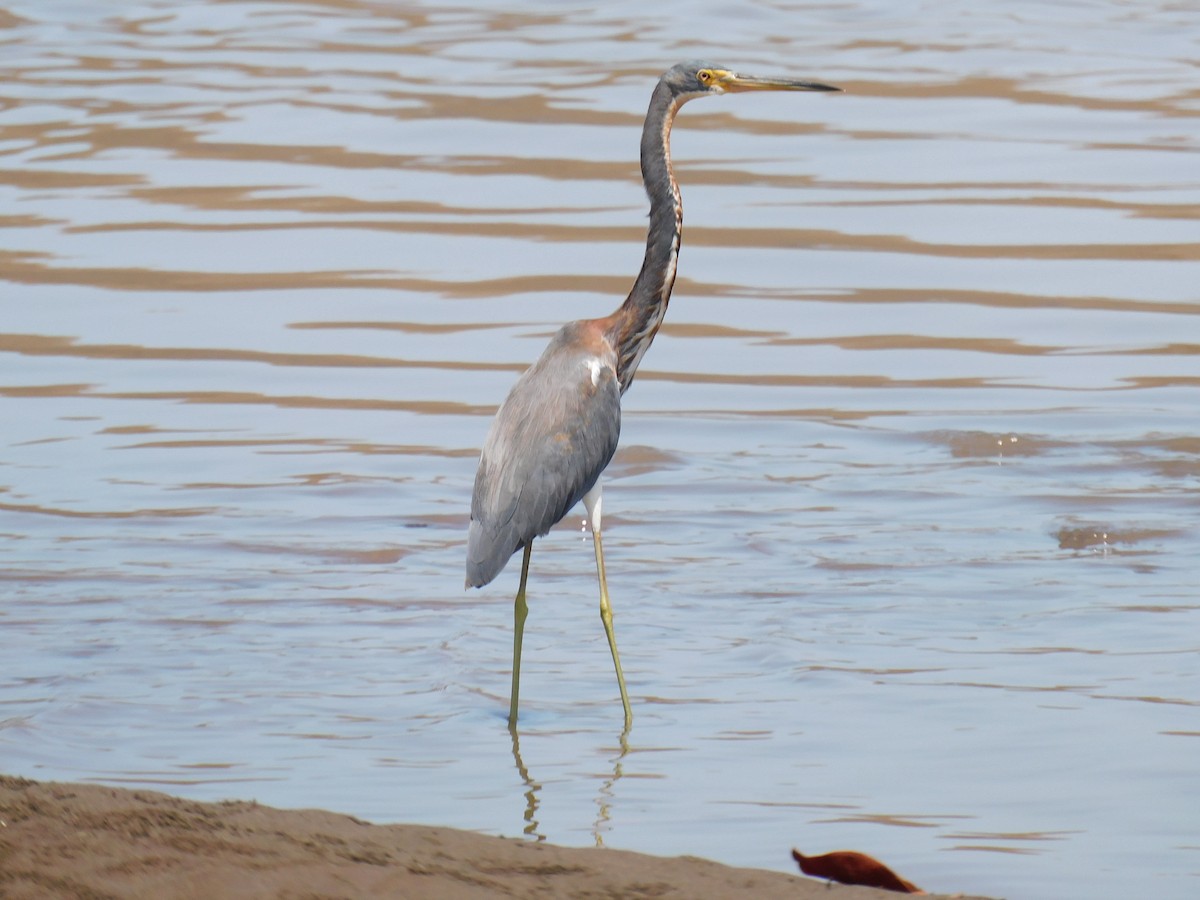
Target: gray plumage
<point x="546" y="448"/>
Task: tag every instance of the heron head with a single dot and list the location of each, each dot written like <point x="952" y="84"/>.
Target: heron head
<point x="693" y="79"/>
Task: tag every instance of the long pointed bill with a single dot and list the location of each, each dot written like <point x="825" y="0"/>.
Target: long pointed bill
<point x="735" y="83"/>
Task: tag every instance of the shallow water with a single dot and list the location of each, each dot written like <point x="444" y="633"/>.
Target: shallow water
<point x="901" y="534"/>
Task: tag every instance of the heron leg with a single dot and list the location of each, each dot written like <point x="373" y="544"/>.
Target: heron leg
<point x="592" y="501"/>
<point x="606" y="616"/>
<point x="520" y="611"/>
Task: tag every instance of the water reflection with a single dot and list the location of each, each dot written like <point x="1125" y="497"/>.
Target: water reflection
<point x="532" y="787"/>
<point x="606" y="795"/>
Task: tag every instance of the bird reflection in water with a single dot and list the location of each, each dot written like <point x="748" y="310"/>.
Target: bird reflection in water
<point x="533" y="790"/>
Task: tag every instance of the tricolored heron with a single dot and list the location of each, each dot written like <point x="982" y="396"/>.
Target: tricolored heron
<point x="558" y="428"/>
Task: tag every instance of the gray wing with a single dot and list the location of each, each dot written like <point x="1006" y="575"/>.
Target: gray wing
<point x="547" y="446"/>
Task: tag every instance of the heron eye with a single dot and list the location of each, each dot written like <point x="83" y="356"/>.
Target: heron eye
<point x="704" y="75"/>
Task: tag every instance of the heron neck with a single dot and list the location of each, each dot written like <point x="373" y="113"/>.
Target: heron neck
<point x="636" y="322"/>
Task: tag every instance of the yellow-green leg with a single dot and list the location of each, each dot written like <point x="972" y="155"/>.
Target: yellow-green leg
<point x="520" y="611"/>
<point x="606" y="616"/>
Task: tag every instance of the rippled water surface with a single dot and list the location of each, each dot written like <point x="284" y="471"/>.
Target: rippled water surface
<point x="902" y="531"/>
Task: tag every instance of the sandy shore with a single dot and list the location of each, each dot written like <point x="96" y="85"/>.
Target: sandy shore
<point x="93" y="842"/>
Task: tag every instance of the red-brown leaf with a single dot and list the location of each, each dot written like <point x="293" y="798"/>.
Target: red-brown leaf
<point x="852" y="867"/>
